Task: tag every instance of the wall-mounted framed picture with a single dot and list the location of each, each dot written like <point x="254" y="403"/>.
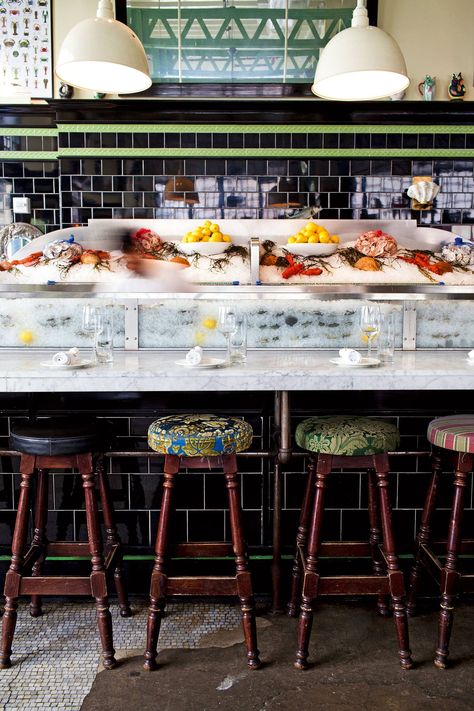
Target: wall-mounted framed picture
<point x="26" y="54"/>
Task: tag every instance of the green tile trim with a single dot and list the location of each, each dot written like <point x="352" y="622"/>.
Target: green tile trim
<point x="28" y="155"/>
<point x="258" y="128"/>
<point x="263" y="153"/>
<point x="6" y="131"/>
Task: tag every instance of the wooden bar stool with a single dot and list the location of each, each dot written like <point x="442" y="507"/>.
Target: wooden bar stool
<point x="347" y="442"/>
<point x="453" y="441"/>
<point x="45" y="445"/>
<point x="196" y="441"/>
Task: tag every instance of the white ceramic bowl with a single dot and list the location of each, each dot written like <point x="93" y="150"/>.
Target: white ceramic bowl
<point x="206" y="248"/>
<point x="317" y="249"/>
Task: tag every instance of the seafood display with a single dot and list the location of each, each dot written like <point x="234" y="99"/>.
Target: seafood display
<point x="376" y="243"/>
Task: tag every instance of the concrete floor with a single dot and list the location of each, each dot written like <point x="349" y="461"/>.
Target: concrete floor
<point x="355" y="667"/>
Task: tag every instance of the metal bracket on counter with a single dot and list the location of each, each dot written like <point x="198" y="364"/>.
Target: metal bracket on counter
<point x="254" y="260"/>
<point x="409" y="326"/>
<point x="131" y="325"/>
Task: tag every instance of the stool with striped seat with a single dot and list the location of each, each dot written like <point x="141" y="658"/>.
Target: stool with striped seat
<point x="453" y="441"/>
<point x="200" y="442"/>
<point x="347" y="442"/>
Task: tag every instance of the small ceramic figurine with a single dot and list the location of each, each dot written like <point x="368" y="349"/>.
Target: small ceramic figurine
<point x="427" y="88"/>
<point x="456" y="88"/>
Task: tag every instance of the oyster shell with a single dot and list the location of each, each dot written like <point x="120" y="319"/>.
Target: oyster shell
<point x="424" y="191"/>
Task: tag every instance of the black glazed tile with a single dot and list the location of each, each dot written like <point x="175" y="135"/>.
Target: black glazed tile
<point x="381" y="167"/>
<point x="451" y="217"/>
<point x="441" y="140"/>
<point x="140" y="140"/>
<point x="194" y="166"/>
<point x="219" y="140"/>
<point x="33" y="169"/>
<point x="93" y="140"/>
<point x="462" y="166"/>
<point x="143" y="213"/>
<point x="204" y="140"/>
<point x="12" y="170"/>
<point x="329" y="214"/>
<point x="348" y="185"/>
<point x="251" y="140"/>
<point x="133" y="199"/>
<point x="315" y="140"/>
<point x="339" y="167"/>
<point x="394" y="140"/>
<point x="143" y="183"/>
<point x="76" y="140"/>
<point x="37" y="201"/>
<point x="172" y="140"/>
<point x="50" y="169"/>
<point x="426" y="140"/>
<point x="63" y="140"/>
<point x="80" y="215"/>
<point x="339" y="200"/>
<point x="362" y="140"/>
<point x="360" y="167"/>
<point x="66" y="215"/>
<point x="206" y="525"/>
<point x="347" y="214"/>
<point x="267" y="140"/>
<point x="215" y="166"/>
<point x="318" y="166"/>
<point x="33" y="143"/>
<point x="329" y="184"/>
<point x="122" y="182"/>
<point x="470" y="140"/>
<point x="81" y="182"/>
<point x="65" y="183"/>
<point x="256" y="167"/>
<point x="443" y="167"/>
<point x="151" y="199"/>
<point x="90" y="166"/>
<point x="122" y="213"/>
<point x="132" y="166"/>
<point x="72" y="199"/>
<point x="331" y="140"/>
<point x="457" y="140"/>
<point x="422" y="167"/>
<point x="236" y="140"/>
<point x="346" y="140"/>
<point x="171" y="167"/>
<point x="90" y="199"/>
<point x="124" y="140"/>
<point x="112" y="166"/>
<point x="111" y="199"/>
<point x="401" y="167"/>
<point x="52" y="201"/>
<point x="23" y="185"/>
<point x="468" y="217"/>
<point x="101" y="182"/>
<point x="156" y="140"/>
<point x="50" y="143"/>
<point x="298" y="167"/>
<point x="299" y="140"/>
<point x="283" y="140"/>
<point x="188" y="140"/>
<point x="378" y="140"/>
<point x="276" y="167"/>
<point x="102" y="213"/>
<point x="109" y="140"/>
<point x="410" y="140"/>
<point x="46" y="215"/>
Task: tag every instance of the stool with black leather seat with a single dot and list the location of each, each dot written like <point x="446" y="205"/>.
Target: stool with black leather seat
<point x="49" y="444"/>
<point x="200" y="442"/>
<point x="347" y="442"/>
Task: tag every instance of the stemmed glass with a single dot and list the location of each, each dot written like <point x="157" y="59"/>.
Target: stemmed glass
<point x="227" y="325"/>
<point x="370" y="324"/>
<point x="90" y="317"/>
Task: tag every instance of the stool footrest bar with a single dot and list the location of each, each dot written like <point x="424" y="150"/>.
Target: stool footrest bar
<point x="55" y="586"/>
<point x="202" y="586"/>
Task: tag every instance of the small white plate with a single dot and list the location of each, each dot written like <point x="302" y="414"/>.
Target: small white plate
<point x="205" y="363"/>
<point x="317" y="249"/>
<point x="72" y="366"/>
<point x="364" y="363"/>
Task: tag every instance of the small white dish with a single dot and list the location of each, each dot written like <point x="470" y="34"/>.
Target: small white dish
<point x="317" y="249"/>
<point x="205" y="363"/>
<point x="205" y="248"/>
<point x="68" y="366"/>
<point x="364" y="363"/>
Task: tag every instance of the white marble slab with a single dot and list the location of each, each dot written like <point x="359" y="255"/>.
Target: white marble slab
<point x="20" y="371"/>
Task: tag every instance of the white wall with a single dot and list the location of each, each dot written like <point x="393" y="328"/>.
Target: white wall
<point x="436" y="37"/>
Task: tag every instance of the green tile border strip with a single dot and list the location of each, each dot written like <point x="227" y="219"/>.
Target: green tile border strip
<point x="5" y="131"/>
<point x="28" y="155"/>
<point x="263" y="153"/>
<point x="258" y="128"/>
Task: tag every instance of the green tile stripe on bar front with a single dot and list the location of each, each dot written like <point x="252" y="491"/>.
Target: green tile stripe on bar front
<point x="28" y="155"/>
<point x="264" y="153"/>
<point x="258" y="128"/>
<point x="6" y="131"/>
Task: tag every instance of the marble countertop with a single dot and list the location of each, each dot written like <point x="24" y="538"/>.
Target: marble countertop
<point x="20" y="371"/>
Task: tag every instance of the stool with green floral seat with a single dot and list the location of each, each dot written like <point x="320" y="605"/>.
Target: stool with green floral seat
<point x="200" y="442"/>
<point x="347" y="442"/>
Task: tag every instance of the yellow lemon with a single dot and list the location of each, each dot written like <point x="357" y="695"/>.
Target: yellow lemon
<point x="302" y="239"/>
<point x="226" y="238"/>
<point x="200" y="338"/>
<point x="314" y="239"/>
<point x="205" y="239"/>
<point x="335" y="238"/>
<point x="209" y="323"/>
<point x="312" y="227"/>
<point x="214" y="228"/>
<point x="26" y="337"/>
<point x="216" y="235"/>
<point x="324" y="238"/>
<point x="206" y="223"/>
<point x="206" y="232"/>
<point x="291" y="240"/>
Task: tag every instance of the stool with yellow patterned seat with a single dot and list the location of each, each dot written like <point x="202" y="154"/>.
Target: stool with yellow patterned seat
<point x="347" y="442"/>
<point x="197" y="442"/>
<point x="452" y="438"/>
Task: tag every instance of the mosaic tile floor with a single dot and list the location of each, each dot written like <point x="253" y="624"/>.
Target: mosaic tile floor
<point x="56" y="657"/>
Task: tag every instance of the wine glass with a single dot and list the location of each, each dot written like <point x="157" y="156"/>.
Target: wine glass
<point x="90" y="317"/>
<point x="370" y="324"/>
<point x="227" y="324"/>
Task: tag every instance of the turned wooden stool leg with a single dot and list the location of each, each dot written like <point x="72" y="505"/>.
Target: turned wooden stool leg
<point x="375" y="539"/>
<point x="98" y="576"/>
<point x="39" y="535"/>
<point x="13" y="576"/>
<point x="424" y="533"/>
<point x="450" y="575"/>
<point x="244" y="581"/>
<point x="158" y="577"/>
<point x="112" y="538"/>
<point x="301" y="538"/>
<point x="311" y="576"/>
<point x="395" y="575"/>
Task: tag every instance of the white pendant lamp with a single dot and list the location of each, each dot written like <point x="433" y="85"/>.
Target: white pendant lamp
<point x="361" y="62"/>
<point x="104" y="55"/>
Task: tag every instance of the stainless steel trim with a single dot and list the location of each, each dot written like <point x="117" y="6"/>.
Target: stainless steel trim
<point x="409" y="326"/>
<point x="254" y="260"/>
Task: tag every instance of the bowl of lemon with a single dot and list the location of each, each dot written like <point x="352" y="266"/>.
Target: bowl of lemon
<point x="312" y="240"/>
<point x="207" y="239"/>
